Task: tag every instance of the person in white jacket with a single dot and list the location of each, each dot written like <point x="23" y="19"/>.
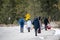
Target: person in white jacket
<point x="29" y="25"/>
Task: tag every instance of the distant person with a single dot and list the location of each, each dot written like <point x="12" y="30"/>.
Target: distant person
<point x="39" y="29"/>
<point x="46" y="23"/>
<point x="36" y="25"/>
<point x="21" y="22"/>
<point x="29" y="24"/>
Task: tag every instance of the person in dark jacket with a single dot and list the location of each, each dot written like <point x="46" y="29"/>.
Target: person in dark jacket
<point x="36" y="25"/>
<point x="39" y="29"/>
<point x="46" y="22"/>
<point x="21" y="22"/>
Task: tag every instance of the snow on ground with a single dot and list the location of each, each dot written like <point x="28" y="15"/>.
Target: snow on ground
<point x="13" y="33"/>
<point x="57" y="31"/>
<point x="53" y="24"/>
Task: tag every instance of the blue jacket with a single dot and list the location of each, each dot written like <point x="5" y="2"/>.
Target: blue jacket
<point x="36" y="23"/>
<point x="21" y="22"/>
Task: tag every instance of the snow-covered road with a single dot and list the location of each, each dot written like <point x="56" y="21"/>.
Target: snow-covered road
<point x="13" y="33"/>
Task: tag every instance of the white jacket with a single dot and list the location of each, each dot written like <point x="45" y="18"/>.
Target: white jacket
<point x="29" y="23"/>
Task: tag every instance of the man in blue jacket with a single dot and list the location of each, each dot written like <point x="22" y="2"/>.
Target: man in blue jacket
<point x="21" y="22"/>
<point x="36" y="25"/>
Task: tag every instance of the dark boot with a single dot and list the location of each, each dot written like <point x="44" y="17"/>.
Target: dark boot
<point x="39" y="30"/>
<point x="46" y="27"/>
<point x="28" y="29"/>
<point x="35" y="32"/>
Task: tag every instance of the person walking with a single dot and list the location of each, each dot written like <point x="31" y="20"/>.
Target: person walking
<point x="21" y="22"/>
<point x="46" y="23"/>
<point x="29" y="24"/>
<point x="36" y="25"/>
<point x="39" y="29"/>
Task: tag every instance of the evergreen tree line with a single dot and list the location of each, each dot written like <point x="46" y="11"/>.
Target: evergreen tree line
<point x="11" y="10"/>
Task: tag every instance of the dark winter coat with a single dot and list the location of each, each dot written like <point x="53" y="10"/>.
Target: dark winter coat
<point x="36" y="23"/>
<point x="46" y="21"/>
